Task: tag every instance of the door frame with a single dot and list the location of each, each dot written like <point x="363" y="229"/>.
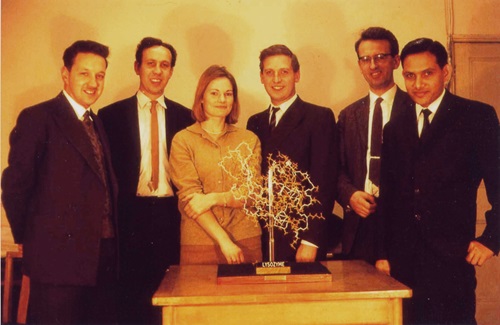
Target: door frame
<point x="471" y="39"/>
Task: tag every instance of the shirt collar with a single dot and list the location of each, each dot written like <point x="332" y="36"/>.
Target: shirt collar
<point x="284" y="106"/>
<point x="196" y="128"/>
<point x="79" y="109"/>
<point x="433" y="107"/>
<point x="388" y="96"/>
<point x="144" y="100"/>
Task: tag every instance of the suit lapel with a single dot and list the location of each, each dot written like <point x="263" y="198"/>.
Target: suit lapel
<point x="363" y="113"/>
<point x="400" y="104"/>
<point x="131" y="120"/>
<point x="173" y="122"/>
<point x="289" y="121"/>
<point x="73" y="130"/>
<point x="441" y="121"/>
<point x="105" y="148"/>
<point x="169" y="126"/>
<point x="259" y="124"/>
<point x="362" y="118"/>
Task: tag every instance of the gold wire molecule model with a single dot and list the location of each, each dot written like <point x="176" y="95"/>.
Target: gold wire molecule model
<point x="280" y="199"/>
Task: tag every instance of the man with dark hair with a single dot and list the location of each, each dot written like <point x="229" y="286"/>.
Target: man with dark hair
<point x="71" y="52"/>
<point x="360" y="129"/>
<point x="306" y="133"/>
<point x="435" y="155"/>
<point x="140" y="131"/>
<point x="59" y="193"/>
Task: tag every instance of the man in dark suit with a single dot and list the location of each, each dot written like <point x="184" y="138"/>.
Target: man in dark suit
<point x="434" y="158"/>
<point x="59" y="193"/>
<point x="140" y="131"/>
<point x="306" y="133"/>
<point x="360" y="126"/>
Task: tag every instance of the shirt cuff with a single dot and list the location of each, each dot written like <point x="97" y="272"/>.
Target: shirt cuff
<point x="305" y="242"/>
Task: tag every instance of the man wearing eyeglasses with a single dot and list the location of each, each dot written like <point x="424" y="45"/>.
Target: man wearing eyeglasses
<point x="360" y="131"/>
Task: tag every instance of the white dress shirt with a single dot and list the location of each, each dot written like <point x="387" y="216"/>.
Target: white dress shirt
<point x="144" y="113"/>
<point x="433" y="107"/>
<point x="283" y="108"/>
<point x="386" y="104"/>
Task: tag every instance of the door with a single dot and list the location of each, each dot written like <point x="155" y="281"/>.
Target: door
<point x="476" y="65"/>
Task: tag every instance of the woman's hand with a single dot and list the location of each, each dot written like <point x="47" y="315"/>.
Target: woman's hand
<point x="232" y="253"/>
<point x="197" y="204"/>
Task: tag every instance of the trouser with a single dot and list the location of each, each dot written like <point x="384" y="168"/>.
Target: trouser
<point x="70" y="304"/>
<point x="443" y="287"/>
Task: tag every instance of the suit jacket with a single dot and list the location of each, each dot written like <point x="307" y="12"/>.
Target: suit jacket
<point x="429" y="184"/>
<point x="353" y="134"/>
<point x="121" y="122"/>
<point x="306" y="133"/>
<point x="53" y="195"/>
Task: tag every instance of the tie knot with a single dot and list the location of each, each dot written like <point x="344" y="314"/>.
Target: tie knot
<point x="86" y="117"/>
<point x="275" y="109"/>
<point x="153" y="105"/>
<point x="426" y="112"/>
<point x="378" y="101"/>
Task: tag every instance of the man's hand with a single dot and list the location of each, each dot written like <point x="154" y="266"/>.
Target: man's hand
<point x="306" y="253"/>
<point x="362" y="203"/>
<point x="478" y="253"/>
<point x="383" y="266"/>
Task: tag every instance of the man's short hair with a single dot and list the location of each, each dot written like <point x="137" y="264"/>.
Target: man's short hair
<point x="378" y="34"/>
<point x="421" y="45"/>
<point x="211" y="73"/>
<point x="278" y="49"/>
<point x="148" y="42"/>
<point x="84" y="47"/>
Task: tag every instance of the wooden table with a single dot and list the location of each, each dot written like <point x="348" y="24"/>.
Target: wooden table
<point x="358" y="294"/>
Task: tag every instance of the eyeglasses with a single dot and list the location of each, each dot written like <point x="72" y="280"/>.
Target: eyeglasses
<point x="376" y="58"/>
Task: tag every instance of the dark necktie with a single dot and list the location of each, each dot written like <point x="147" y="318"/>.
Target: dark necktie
<point x="425" y="112"/>
<point x="272" y="123"/>
<point x="107" y="226"/>
<point x="155" y="147"/>
<point x="376" y="143"/>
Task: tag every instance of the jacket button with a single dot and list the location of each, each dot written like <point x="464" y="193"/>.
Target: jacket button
<point x="417" y="191"/>
<point x="418" y="217"/>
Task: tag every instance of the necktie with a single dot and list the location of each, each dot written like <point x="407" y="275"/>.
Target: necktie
<point x="272" y="123"/>
<point x="107" y="226"/>
<point x="425" y="113"/>
<point x="96" y="144"/>
<point x="155" y="151"/>
<point x="376" y="143"/>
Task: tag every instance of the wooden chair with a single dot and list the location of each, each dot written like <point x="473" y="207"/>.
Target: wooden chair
<point x="22" y="309"/>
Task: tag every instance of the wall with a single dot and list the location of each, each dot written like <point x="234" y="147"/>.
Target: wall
<point x="231" y="33"/>
<point x="476" y="17"/>
<point x="228" y="32"/>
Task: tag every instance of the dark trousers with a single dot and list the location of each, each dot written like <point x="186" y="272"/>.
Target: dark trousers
<point x="443" y="287"/>
<point x="69" y="304"/>
<point x="149" y="244"/>
<point x="363" y="246"/>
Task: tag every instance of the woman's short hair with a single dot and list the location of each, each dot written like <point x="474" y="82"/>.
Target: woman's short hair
<point x="211" y="73"/>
